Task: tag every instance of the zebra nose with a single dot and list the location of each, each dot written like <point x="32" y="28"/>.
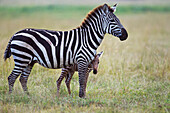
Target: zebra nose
<point x="94" y="71"/>
<point x="124" y="34"/>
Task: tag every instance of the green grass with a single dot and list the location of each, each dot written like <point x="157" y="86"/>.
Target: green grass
<point x="68" y="10"/>
<point x="133" y="76"/>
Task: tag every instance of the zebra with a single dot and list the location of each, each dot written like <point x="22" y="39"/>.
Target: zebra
<point x="68" y="72"/>
<point x="58" y="49"/>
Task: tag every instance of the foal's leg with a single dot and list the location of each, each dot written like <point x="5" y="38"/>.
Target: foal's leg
<point x="68" y="79"/>
<point x="64" y="72"/>
<point x="24" y="77"/>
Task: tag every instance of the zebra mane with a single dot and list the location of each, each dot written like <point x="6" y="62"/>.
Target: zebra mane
<point x="90" y="13"/>
<point x="93" y="12"/>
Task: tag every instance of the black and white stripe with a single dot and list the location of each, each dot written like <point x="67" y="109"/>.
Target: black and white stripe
<point x="57" y="49"/>
<point x="69" y="71"/>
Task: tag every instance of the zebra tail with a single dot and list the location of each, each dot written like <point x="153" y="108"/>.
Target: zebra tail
<point x="7" y="53"/>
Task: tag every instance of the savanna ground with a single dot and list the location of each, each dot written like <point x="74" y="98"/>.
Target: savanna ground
<point x="134" y="75"/>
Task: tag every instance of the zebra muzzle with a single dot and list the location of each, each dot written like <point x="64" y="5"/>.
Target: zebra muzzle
<point x="124" y="35"/>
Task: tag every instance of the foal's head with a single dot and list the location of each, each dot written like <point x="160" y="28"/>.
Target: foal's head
<point x="95" y="62"/>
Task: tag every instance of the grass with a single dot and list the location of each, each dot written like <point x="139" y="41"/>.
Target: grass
<point x="134" y="75"/>
<point x="14" y="11"/>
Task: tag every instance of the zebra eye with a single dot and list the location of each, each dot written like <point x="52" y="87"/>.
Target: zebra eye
<point x="112" y="20"/>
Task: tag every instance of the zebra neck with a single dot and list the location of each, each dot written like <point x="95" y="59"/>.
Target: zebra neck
<point x="92" y="37"/>
<point x="91" y="40"/>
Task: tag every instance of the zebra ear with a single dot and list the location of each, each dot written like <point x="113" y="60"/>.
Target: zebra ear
<point x="114" y="8"/>
<point x="105" y="8"/>
<point x="99" y="54"/>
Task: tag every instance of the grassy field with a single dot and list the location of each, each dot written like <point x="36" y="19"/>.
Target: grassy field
<point x="134" y="75"/>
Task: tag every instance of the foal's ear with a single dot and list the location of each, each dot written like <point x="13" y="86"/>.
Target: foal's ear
<point x="99" y="54"/>
<point x="114" y="8"/>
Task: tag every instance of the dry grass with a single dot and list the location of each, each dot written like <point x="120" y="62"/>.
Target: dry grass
<point x="134" y="75"/>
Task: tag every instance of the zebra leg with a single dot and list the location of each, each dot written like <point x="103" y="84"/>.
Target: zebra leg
<point x="64" y="72"/>
<point x="20" y="65"/>
<point x="87" y="75"/>
<point x="82" y="70"/>
<point x="13" y="76"/>
<point x="24" y="77"/>
<point x="67" y="81"/>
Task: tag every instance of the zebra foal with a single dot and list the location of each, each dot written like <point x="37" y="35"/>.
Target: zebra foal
<point x="68" y="72"/>
<point x="58" y="49"/>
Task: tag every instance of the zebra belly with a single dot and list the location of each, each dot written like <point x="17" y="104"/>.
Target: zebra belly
<point x="62" y="64"/>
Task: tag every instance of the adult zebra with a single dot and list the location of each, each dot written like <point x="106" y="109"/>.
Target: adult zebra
<point x="57" y="49"/>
